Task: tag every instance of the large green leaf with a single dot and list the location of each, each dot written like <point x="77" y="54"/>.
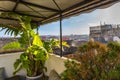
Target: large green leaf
<point x="17" y="63"/>
<point x="25" y="22"/>
<point x="37" y="41"/>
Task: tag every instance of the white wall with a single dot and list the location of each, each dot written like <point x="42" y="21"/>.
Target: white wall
<point x="54" y="62"/>
<point x="7" y="61"/>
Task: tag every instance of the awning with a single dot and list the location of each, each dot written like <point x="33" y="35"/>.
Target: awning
<point x="46" y="11"/>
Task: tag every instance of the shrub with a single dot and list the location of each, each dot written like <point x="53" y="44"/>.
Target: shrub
<point x="12" y="45"/>
<point x="72" y="71"/>
<point x="105" y="65"/>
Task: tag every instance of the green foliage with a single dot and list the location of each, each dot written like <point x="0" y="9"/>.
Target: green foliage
<point x="90" y="46"/>
<point x="105" y="65"/>
<point x="33" y="59"/>
<point x="114" y="46"/>
<point x="10" y="30"/>
<point x="37" y="41"/>
<point x="22" y="62"/>
<point x="36" y="53"/>
<point x="53" y="43"/>
<point x="12" y="45"/>
<point x="72" y="72"/>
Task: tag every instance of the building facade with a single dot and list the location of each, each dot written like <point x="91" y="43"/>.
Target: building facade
<point x="105" y="33"/>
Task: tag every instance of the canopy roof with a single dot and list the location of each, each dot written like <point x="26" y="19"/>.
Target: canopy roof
<point x="46" y="11"/>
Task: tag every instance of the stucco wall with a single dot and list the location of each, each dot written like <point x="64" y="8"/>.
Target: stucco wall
<point x="54" y="62"/>
<point x="7" y="61"/>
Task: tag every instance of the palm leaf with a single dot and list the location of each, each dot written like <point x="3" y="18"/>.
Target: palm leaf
<point x="10" y="30"/>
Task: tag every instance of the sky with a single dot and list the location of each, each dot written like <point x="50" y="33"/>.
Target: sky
<point x="80" y="24"/>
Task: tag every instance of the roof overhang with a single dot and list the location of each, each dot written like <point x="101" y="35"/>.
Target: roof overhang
<point x="46" y="11"/>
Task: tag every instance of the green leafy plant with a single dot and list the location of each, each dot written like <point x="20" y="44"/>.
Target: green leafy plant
<point x="102" y="64"/>
<point x="36" y="53"/>
<point x="12" y="45"/>
<point x="33" y="59"/>
<point x="72" y="72"/>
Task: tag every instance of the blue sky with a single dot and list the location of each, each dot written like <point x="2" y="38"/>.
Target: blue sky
<point x="80" y="24"/>
<point x="72" y="25"/>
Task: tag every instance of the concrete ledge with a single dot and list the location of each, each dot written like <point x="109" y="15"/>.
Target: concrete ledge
<point x="7" y="60"/>
<point x="54" y="62"/>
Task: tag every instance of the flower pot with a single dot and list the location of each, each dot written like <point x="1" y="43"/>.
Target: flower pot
<point x="34" y="78"/>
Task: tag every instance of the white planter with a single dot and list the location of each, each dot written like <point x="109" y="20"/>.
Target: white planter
<point x="34" y="78"/>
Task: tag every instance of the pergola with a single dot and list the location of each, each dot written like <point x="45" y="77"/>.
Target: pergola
<point x="46" y="11"/>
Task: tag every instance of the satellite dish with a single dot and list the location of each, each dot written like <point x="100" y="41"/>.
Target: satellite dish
<point x="116" y="38"/>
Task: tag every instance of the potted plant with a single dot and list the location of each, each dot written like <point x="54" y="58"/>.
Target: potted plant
<point x="36" y="52"/>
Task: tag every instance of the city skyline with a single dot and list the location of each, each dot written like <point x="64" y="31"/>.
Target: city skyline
<point x="80" y="24"/>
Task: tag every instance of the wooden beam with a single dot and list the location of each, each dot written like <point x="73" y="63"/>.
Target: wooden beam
<point x="36" y="5"/>
<point x="14" y="8"/>
<point x="17" y="12"/>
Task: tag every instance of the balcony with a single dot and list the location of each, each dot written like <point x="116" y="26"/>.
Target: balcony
<point x="56" y="10"/>
<point x="95" y="55"/>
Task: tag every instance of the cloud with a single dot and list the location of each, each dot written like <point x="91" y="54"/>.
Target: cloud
<point x="110" y="15"/>
<point x="80" y="24"/>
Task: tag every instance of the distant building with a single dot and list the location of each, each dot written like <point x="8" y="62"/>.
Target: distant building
<point x="77" y="43"/>
<point x="53" y="37"/>
<point x="43" y="37"/>
<point x="64" y="38"/>
<point x="104" y="33"/>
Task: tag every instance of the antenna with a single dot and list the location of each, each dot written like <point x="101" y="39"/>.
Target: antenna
<point x="100" y="23"/>
<point x="104" y="23"/>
